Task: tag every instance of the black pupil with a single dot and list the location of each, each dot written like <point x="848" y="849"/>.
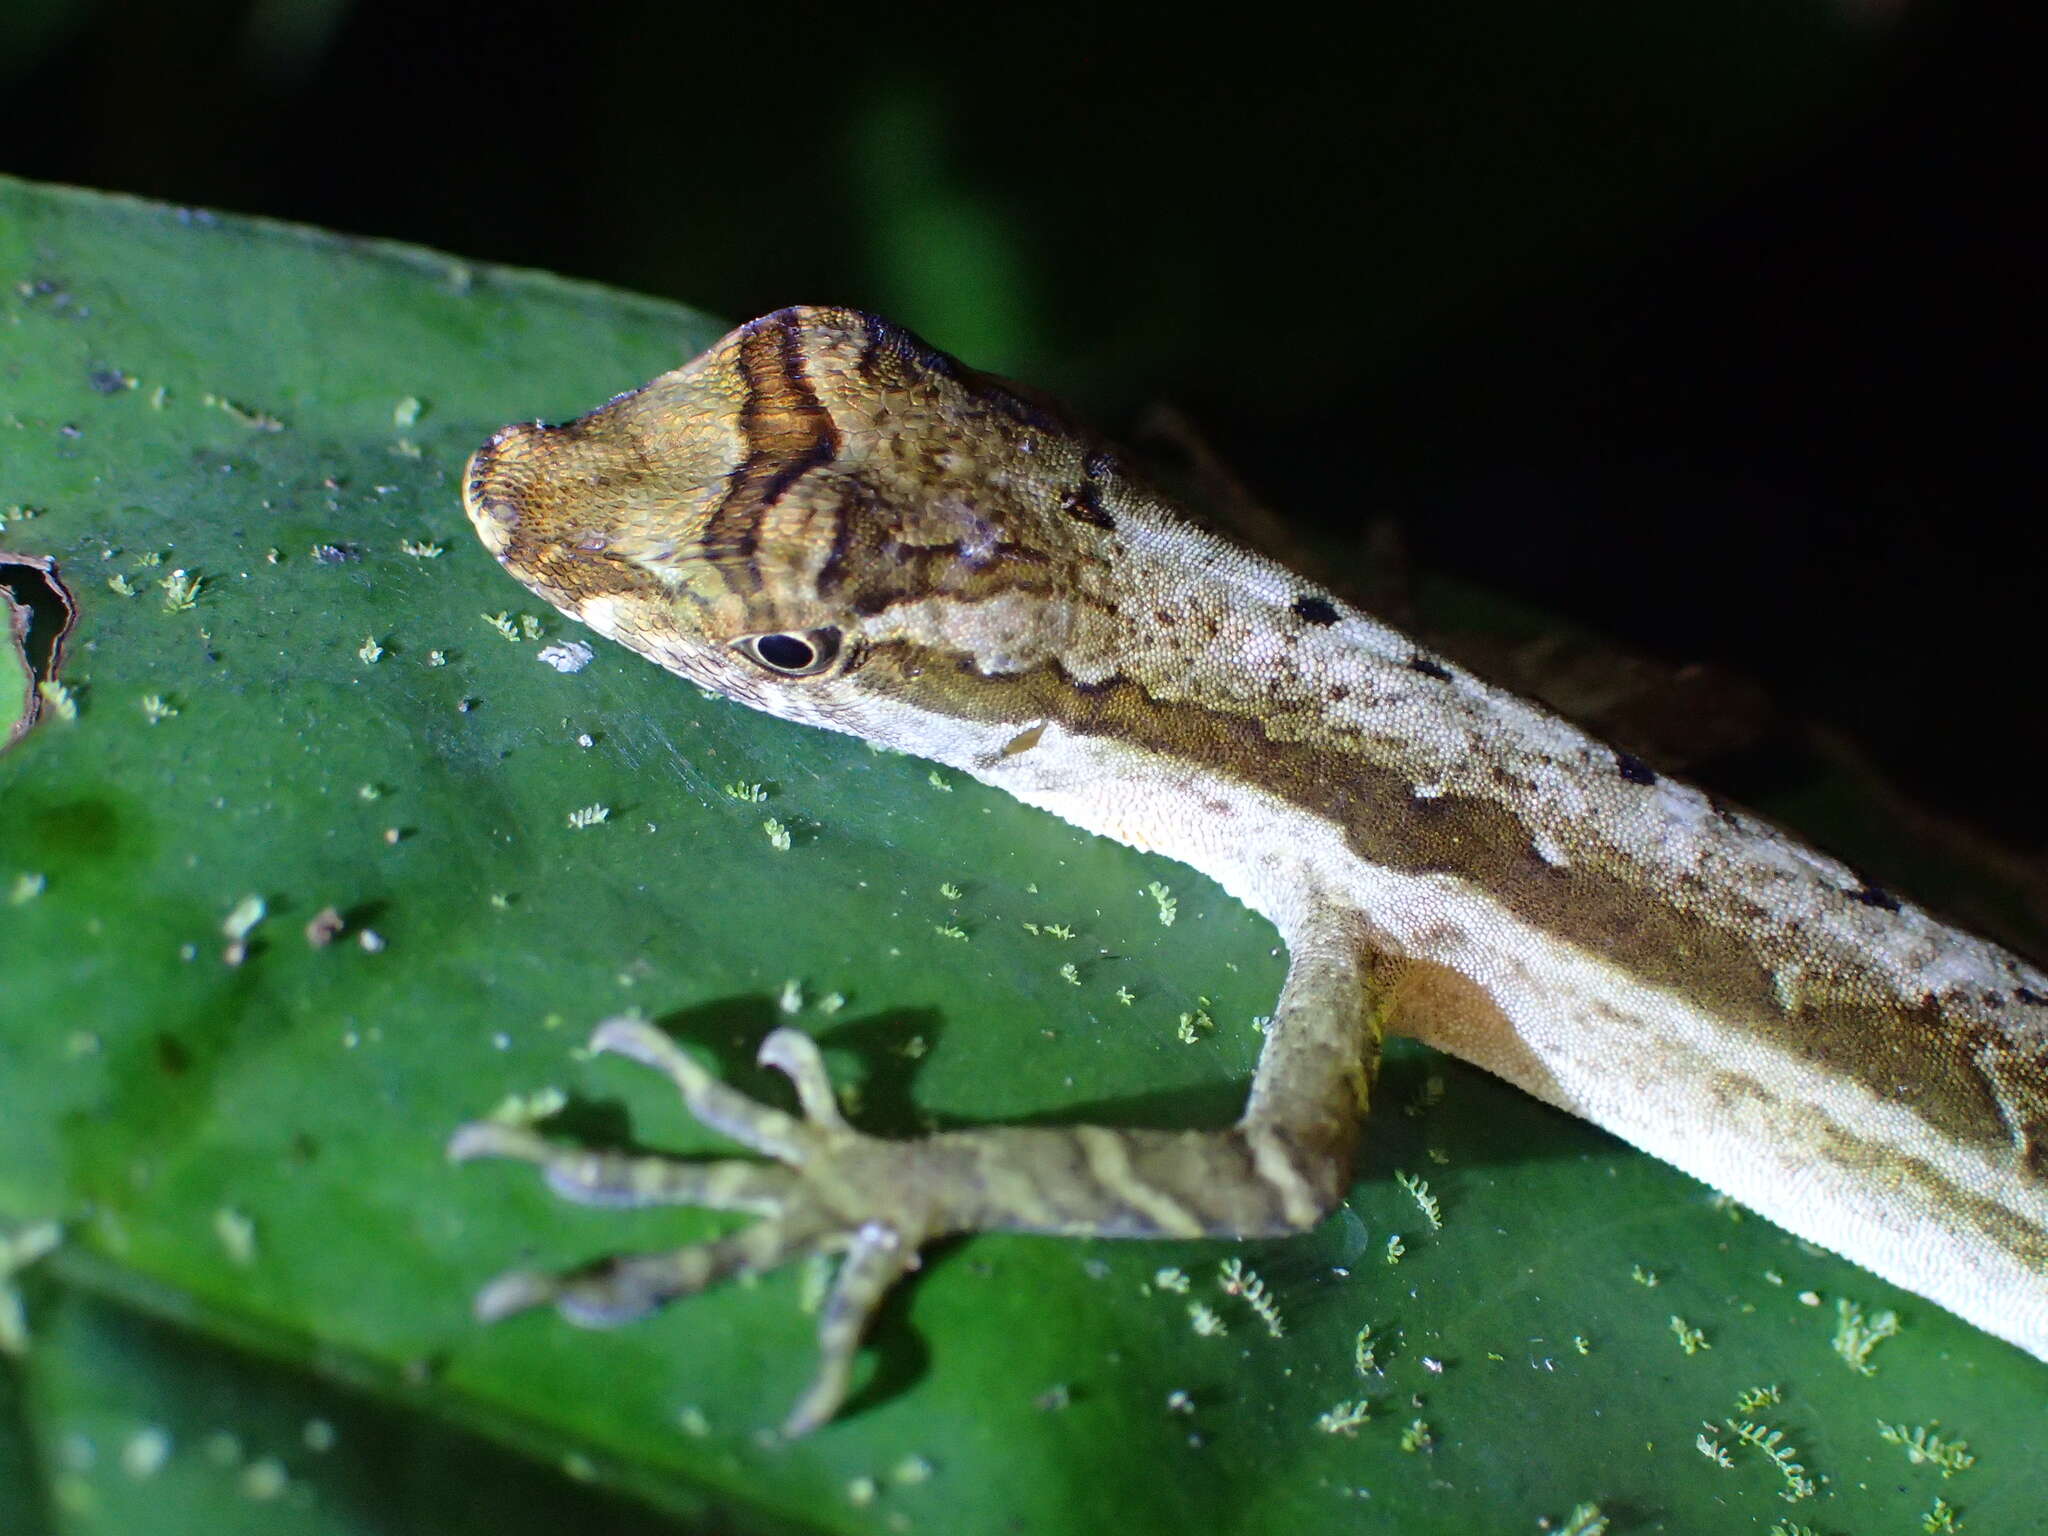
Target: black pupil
<point x="786" y="653"/>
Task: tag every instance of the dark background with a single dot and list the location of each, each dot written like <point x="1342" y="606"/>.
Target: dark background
<point x="1698" y="323"/>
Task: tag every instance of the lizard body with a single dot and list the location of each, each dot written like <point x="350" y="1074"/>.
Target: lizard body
<point x="824" y="518"/>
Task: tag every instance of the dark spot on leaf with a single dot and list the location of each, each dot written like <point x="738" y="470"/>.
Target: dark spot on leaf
<point x="172" y="1056"/>
<point x="82" y="829"/>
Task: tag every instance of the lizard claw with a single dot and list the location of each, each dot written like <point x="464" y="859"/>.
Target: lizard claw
<point x="591" y="1177"/>
<point x="517" y="1290"/>
<point x="795" y="1054"/>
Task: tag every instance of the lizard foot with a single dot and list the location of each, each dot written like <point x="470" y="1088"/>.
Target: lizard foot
<point x="830" y="1190"/>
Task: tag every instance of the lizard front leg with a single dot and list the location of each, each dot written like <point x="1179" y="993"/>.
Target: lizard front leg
<point x="875" y="1203"/>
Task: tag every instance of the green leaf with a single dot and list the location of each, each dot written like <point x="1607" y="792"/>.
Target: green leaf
<point x="241" y="1131"/>
<point x="17" y="676"/>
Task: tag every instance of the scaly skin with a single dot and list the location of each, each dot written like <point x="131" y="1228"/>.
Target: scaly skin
<point x="825" y="519"/>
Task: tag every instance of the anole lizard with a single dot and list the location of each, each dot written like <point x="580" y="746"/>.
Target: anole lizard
<point x="825" y="518"/>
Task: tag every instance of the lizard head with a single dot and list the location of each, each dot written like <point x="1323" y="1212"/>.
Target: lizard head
<point x="824" y="518"/>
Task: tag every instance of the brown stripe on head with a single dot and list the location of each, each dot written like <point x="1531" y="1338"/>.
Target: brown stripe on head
<point x="784" y="428"/>
<point x="814" y="465"/>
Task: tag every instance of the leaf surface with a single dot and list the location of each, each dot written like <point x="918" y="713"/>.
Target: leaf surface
<point x="303" y="688"/>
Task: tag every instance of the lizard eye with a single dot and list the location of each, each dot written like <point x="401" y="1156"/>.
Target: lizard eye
<point x="792" y="655"/>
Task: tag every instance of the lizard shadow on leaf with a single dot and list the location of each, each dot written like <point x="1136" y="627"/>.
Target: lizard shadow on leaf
<point x="887" y="1048"/>
<point x="1480" y="1121"/>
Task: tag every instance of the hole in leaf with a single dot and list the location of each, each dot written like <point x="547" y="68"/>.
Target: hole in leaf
<point x="36" y="612"/>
